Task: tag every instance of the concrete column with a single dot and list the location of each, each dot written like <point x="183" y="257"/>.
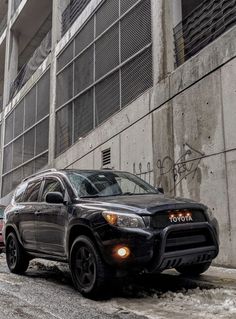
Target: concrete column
<point x="58" y="7"/>
<point x="163" y="41"/>
<point x="158" y="40"/>
<point x="11" y="64"/>
<point x="177" y="12"/>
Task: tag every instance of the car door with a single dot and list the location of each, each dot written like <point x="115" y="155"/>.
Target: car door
<point x="25" y="211"/>
<point x="51" y="220"/>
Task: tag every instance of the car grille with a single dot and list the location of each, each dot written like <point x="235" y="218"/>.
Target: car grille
<point x="163" y="219"/>
<point x="188" y="239"/>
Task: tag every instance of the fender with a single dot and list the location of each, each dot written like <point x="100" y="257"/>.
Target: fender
<point x="15" y="230"/>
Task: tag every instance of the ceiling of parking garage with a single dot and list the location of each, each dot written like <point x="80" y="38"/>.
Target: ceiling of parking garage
<point x="30" y="21"/>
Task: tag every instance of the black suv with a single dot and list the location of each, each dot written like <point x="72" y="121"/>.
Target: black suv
<point x="106" y="223"/>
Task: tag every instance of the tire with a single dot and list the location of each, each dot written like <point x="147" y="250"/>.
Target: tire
<point x="89" y="272"/>
<point x="193" y="270"/>
<point x="17" y="260"/>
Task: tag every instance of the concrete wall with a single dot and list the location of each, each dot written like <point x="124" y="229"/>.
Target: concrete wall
<point x="181" y="134"/>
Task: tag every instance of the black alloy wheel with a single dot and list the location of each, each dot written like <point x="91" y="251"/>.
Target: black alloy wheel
<point x="11" y="253"/>
<point x="89" y="272"/>
<point x="17" y="260"/>
<point x="85" y="267"/>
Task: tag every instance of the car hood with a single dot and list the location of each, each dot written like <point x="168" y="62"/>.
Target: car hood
<point x="145" y="204"/>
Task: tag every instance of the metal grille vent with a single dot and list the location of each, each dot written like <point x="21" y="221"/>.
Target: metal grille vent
<point x="106" y="157"/>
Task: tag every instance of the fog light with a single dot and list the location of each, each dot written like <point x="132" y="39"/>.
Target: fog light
<point x="123" y="252"/>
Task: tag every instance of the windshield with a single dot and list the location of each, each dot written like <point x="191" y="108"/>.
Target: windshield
<point x="1" y="212"/>
<point x="101" y="184"/>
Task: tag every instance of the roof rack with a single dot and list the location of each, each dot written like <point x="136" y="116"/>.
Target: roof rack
<point x="41" y="172"/>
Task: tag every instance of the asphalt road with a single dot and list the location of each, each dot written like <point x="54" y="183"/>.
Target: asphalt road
<point x="46" y="291"/>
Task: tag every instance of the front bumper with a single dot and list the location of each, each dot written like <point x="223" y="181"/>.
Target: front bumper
<point x="156" y="250"/>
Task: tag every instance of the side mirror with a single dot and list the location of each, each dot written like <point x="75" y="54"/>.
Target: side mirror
<point x="161" y="190"/>
<point x="54" y="198"/>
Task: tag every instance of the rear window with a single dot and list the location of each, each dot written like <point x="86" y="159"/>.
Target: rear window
<point x="1" y="212"/>
<point x="32" y="191"/>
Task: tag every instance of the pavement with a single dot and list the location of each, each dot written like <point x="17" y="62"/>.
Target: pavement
<point x="46" y="292"/>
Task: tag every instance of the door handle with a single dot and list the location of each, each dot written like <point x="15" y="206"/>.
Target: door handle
<point x="17" y="213"/>
<point x="37" y="212"/>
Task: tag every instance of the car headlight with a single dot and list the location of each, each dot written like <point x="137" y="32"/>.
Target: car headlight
<point x="123" y="220"/>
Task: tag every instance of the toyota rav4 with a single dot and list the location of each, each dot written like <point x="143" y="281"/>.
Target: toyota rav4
<point x="106" y="223"/>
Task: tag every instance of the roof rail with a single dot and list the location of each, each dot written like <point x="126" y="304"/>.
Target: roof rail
<point x="39" y="173"/>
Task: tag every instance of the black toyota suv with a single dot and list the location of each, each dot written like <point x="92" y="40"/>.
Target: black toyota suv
<point x="106" y="223"/>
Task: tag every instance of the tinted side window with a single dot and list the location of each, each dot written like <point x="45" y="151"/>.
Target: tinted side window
<point x="52" y="185"/>
<point x="20" y="192"/>
<point x="32" y="191"/>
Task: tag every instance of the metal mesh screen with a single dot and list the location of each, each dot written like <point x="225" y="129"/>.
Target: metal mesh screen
<point x="29" y="143"/>
<point x="84" y="37"/>
<point x="83" y="114"/>
<point x="12" y="180"/>
<point x="65" y="85"/>
<point x="43" y="96"/>
<point x="7" y="158"/>
<point x="9" y="128"/>
<point x="107" y="98"/>
<point x="17" y="176"/>
<point x="6" y="184"/>
<point x="19" y="119"/>
<point x="107" y="46"/>
<point x="136" y="77"/>
<point x="18" y="152"/>
<point x="40" y="162"/>
<point x="115" y="64"/>
<point x="136" y="31"/>
<point x="106" y="15"/>
<point x="84" y="70"/>
<point x="30" y="108"/>
<point x="65" y="57"/>
<point x="25" y="145"/>
<point x="63" y="129"/>
<point x="126" y="5"/>
<point x="42" y="137"/>
<point x="72" y="12"/>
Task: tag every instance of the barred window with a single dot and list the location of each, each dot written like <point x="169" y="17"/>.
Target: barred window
<point x="26" y="135"/>
<point x="111" y="66"/>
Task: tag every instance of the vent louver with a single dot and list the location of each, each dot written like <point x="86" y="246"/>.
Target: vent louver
<point x="106" y="157"/>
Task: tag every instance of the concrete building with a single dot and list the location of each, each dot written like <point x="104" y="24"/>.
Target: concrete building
<point x="147" y="86"/>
